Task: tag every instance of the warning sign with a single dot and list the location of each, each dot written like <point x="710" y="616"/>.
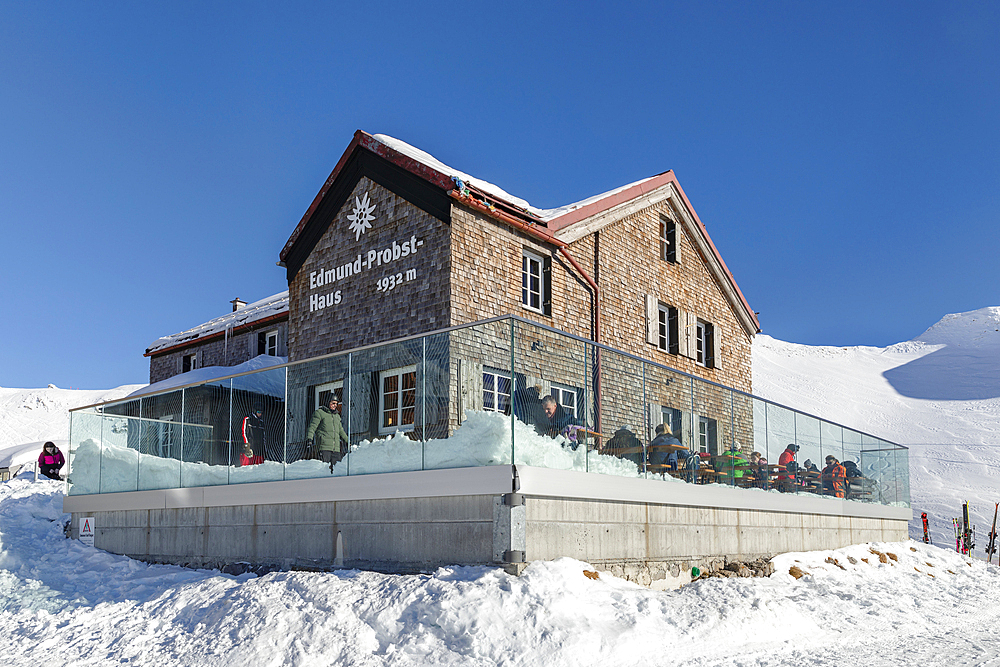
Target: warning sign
<point x="87" y="530"/>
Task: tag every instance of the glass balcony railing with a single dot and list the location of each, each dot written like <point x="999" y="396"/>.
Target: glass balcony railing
<point x="491" y="393"/>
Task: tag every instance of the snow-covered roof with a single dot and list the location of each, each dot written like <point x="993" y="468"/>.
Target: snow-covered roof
<point x="259" y="310"/>
<point x="544" y="214"/>
<point x="260" y="383"/>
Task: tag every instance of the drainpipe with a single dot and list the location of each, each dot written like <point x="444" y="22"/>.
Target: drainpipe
<point x="544" y="236"/>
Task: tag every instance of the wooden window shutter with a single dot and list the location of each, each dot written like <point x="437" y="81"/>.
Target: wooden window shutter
<point x="652" y="320"/>
<point x="547" y="286"/>
<point x="683" y="333"/>
<point x="716" y="347"/>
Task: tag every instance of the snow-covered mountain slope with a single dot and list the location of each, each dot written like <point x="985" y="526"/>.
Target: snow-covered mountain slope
<point x="938" y="394"/>
<point x="29" y="417"/>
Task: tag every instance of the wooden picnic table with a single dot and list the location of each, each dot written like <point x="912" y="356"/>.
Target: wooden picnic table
<point x="648" y="448"/>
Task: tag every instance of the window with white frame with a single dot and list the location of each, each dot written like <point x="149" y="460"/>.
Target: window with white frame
<point x="707" y="435"/>
<point x="189" y="362"/>
<point x="325" y="392"/>
<point x="668" y="240"/>
<point x="566" y="397"/>
<point x="667" y="328"/>
<point x="535" y="286"/>
<point x="704" y="344"/>
<point x="397" y="399"/>
<point x="267" y="343"/>
<point x="671" y="418"/>
<point x="496" y="391"/>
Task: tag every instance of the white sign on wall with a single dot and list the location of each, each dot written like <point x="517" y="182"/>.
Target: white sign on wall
<point x="323" y="281"/>
<point x="87" y="530"/>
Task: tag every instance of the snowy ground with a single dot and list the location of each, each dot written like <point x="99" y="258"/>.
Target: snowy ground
<point x="877" y="604"/>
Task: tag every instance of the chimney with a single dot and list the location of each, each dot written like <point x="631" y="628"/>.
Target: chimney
<point x="238" y="303"/>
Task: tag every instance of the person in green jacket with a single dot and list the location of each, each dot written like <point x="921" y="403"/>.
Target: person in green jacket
<point x="326" y="432"/>
<point x="732" y="466"/>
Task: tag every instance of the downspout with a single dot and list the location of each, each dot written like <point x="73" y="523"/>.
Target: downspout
<point x="544" y="236"/>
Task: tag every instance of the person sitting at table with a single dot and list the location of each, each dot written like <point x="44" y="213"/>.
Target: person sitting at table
<point x="758" y="468"/>
<point x="624" y="439"/>
<point x="787" y="478"/>
<point x="809" y="466"/>
<point x="854" y="485"/>
<point x="662" y="456"/>
<point x="834" y="477"/>
<point x="732" y="465"/>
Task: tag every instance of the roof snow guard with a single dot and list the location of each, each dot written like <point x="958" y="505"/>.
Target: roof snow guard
<point x="272" y="309"/>
<point x="567" y="223"/>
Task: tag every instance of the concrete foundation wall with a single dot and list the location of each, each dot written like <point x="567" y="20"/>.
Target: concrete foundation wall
<point x="649" y="531"/>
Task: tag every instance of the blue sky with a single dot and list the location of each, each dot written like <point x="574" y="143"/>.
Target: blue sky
<point x="155" y="157"/>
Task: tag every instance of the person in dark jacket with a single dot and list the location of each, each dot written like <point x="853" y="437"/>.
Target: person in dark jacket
<point x="622" y="440"/>
<point x="663" y="457"/>
<point x="253" y="431"/>
<point x="50" y="461"/>
<point x="326" y="432"/>
<point x="528" y="408"/>
<point x="557" y="419"/>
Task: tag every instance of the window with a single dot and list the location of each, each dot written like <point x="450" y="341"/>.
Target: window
<point x="536" y="274"/>
<point x="496" y="391"/>
<point x="667" y="328"/>
<point x="671" y="418"/>
<point x="707" y="435"/>
<point x="704" y="342"/>
<point x="397" y="399"/>
<point x="566" y="397"/>
<point x="189" y="362"/>
<point x="668" y="240"/>
<point x="325" y="392"/>
<point x="267" y="343"/>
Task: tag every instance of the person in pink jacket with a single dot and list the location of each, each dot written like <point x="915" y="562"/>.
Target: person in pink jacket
<point x="50" y="460"/>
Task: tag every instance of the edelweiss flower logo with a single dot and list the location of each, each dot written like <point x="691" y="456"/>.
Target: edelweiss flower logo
<point x="361" y="218"/>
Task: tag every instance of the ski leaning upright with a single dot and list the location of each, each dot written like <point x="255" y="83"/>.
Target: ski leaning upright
<point x="968" y="531"/>
<point x="991" y="547"/>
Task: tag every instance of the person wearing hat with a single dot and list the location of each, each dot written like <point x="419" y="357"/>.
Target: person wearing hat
<point x="326" y="432"/>
<point x="253" y="431"/>
<point x="834" y="477"/>
<point x="50" y="461"/>
<point x="786" y="480"/>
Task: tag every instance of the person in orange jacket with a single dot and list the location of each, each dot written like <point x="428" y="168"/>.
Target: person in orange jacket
<point x="834" y="477"/>
<point x="50" y="461"/>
